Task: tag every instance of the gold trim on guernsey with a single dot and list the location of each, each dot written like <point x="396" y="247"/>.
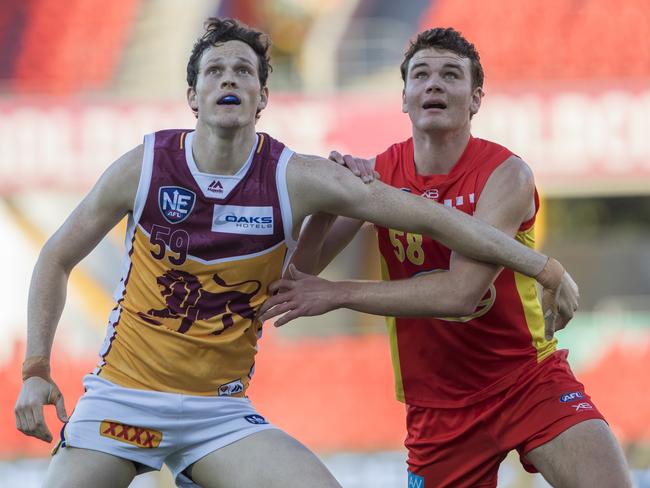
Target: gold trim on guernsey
<point x="260" y="144"/>
<point x="391" y="325"/>
<point x="182" y="139"/>
<point x="527" y="290"/>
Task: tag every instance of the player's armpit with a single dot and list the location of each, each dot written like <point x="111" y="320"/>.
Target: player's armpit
<point x="323" y="237"/>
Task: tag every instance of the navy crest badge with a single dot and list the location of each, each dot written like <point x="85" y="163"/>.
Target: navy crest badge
<point x="176" y="203"/>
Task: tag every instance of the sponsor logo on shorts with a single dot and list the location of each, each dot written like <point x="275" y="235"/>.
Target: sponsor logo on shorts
<point x="415" y="481"/>
<point x="176" y="203"/>
<point x="583" y="406"/>
<point x="236" y="219"/>
<point x="256" y="419"/>
<point x="231" y="388"/>
<point x="571" y="397"/>
<point x="131" y="434"/>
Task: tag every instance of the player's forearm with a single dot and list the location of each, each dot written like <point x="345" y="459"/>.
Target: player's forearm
<point x="47" y="294"/>
<point x="309" y="256"/>
<point x="474" y="238"/>
<point x="415" y="297"/>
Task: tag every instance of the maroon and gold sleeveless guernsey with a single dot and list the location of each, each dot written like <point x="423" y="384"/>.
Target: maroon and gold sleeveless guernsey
<point x="201" y="252"/>
<point x="456" y="361"/>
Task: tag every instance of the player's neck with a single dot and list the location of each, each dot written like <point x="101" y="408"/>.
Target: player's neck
<point x="222" y="152"/>
<point x="438" y="152"/>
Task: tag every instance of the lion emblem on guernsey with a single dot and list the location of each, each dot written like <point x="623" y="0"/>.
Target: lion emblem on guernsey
<point x="187" y="300"/>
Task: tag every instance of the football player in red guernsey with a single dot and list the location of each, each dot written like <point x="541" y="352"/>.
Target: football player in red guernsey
<point x="479" y="375"/>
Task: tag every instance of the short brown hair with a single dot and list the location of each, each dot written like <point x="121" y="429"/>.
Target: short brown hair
<point x="447" y="39"/>
<point x="223" y="30"/>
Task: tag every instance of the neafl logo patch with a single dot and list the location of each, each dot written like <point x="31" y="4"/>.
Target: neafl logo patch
<point x="176" y="203"/>
<point x="136" y="436"/>
<point x="235" y="219"/>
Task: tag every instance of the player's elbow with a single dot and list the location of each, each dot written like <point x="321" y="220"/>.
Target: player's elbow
<point x="459" y="303"/>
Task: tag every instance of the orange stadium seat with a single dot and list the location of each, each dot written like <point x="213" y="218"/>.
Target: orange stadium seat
<point x="66" y="50"/>
<point x="552" y="39"/>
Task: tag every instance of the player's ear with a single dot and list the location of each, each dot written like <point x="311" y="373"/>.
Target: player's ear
<point x="404" y="106"/>
<point x="264" y="99"/>
<point x="477" y="97"/>
<point x="192" y="101"/>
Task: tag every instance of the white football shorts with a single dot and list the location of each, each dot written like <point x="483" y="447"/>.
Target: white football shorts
<point x="153" y="427"/>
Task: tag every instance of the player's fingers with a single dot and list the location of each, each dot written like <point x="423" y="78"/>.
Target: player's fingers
<point x="549" y="318"/>
<point x="288" y="317"/>
<point x="351" y="164"/>
<point x="377" y="175"/>
<point x="30" y="423"/>
<point x="281" y="284"/>
<point x="40" y="427"/>
<point x="367" y="173"/>
<point x="277" y="310"/>
<point x="270" y="303"/>
<point x="336" y="157"/>
<point x="59" y="404"/>
<point x="561" y="321"/>
<point x="21" y="423"/>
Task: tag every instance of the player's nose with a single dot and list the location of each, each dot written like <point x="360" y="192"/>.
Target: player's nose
<point x="434" y="85"/>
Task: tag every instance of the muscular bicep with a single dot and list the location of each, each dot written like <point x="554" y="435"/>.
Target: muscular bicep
<point x="105" y="205"/>
<point x="507" y="200"/>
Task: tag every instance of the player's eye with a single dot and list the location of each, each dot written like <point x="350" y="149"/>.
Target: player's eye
<point x="451" y="75"/>
<point x="420" y="75"/>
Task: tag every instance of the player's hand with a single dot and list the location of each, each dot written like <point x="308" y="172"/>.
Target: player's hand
<point x="359" y="167"/>
<point x="35" y="393"/>
<point x="559" y="305"/>
<point x="299" y="295"/>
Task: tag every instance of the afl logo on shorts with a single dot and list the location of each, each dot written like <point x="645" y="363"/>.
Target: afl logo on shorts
<point x="571" y="397"/>
<point x="176" y="203"/>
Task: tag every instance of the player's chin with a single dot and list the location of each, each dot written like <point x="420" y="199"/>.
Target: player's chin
<point x="230" y="121"/>
<point x="433" y="122"/>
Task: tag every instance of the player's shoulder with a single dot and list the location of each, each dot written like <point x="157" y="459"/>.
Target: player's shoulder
<point x="514" y="173"/>
<point x="120" y="181"/>
<point x="129" y="164"/>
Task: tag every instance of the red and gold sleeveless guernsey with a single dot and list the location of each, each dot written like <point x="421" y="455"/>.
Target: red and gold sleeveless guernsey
<point x="201" y="252"/>
<point x="457" y="361"/>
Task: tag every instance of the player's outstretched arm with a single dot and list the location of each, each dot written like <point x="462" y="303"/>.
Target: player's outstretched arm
<point x="455" y="292"/>
<point x="316" y="185"/>
<point x="105" y="205"/>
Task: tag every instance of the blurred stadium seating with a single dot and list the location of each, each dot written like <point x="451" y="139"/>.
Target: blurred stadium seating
<point x="568" y="87"/>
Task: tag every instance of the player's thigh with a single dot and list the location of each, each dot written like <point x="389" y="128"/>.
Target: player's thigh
<point x="269" y="459"/>
<point x="80" y="468"/>
<point x="585" y="455"/>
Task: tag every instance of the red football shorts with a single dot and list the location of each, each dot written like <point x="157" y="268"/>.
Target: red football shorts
<point x="463" y="447"/>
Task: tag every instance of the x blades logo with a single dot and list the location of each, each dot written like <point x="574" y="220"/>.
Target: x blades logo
<point x="583" y="406"/>
<point x="136" y="436"/>
<point x="431" y="194"/>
